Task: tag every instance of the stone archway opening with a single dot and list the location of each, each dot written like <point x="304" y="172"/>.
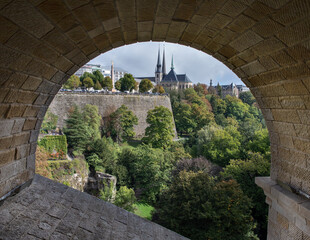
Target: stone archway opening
<point x="265" y="43"/>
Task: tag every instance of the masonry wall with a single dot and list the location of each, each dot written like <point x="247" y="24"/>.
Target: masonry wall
<point x="107" y="104"/>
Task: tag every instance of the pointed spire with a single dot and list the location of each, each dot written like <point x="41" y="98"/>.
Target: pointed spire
<point x="164" y="63"/>
<point x="158" y="66"/>
<point x="172" y="67"/>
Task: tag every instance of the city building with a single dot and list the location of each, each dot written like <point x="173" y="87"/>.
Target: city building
<point x="172" y="80"/>
<point x="230" y="89"/>
<point x="105" y="70"/>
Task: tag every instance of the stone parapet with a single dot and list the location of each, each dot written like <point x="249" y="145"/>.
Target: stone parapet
<point x="289" y="213"/>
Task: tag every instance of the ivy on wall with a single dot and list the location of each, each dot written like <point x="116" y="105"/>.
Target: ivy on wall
<point x="56" y="146"/>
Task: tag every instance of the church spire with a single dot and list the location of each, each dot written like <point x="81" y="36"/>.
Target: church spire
<point x="164" y="63"/>
<point x="172" y="67"/>
<point x="158" y="66"/>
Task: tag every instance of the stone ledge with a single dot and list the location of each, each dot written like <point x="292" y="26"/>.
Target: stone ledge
<point x="290" y="205"/>
<point x="50" y="210"/>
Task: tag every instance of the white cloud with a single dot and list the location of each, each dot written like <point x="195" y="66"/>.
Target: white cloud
<point x="140" y="59"/>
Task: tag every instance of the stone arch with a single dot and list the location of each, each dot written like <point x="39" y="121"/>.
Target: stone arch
<point x="266" y="43"/>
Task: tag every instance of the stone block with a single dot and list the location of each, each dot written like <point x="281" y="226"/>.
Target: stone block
<point x="302" y="130"/>
<point x="253" y="68"/>
<point x="45" y="87"/>
<point x="286" y="141"/>
<point x="24" y="14"/>
<point x="41" y="99"/>
<point x="15" y="111"/>
<point x="22" y="151"/>
<point x="18" y="125"/>
<point x="20" y="138"/>
<point x="241" y="24"/>
<point x="31" y="111"/>
<point x="285" y="115"/>
<point x="30" y="124"/>
<point x="304" y="116"/>
<point x="15" y="80"/>
<point x="6" y="127"/>
<point x="7" y="29"/>
<point x="292" y="102"/>
<point x="54" y="9"/>
<point x="5" y="142"/>
<point x="283" y="58"/>
<point x="302" y="145"/>
<point x="245" y="41"/>
<point x="7" y="156"/>
<point x="295" y="33"/>
<point x="26" y="97"/>
<point x="233" y="8"/>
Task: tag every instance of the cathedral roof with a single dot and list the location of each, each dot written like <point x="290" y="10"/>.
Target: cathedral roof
<point x="171" y="77"/>
<point x="183" y="78"/>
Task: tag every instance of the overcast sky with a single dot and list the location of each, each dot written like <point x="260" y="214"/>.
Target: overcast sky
<point x="140" y="60"/>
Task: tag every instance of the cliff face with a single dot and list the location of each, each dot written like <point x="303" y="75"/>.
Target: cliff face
<point x="139" y="104"/>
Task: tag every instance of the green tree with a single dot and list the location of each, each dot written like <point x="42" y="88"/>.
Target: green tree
<point x="86" y="75"/>
<point x="247" y="97"/>
<point x="184" y="121"/>
<point x="49" y="122"/>
<point x="128" y="83"/>
<point x="118" y="85"/>
<point x="107" y="83"/>
<point x="199" y="207"/>
<point x="97" y="86"/>
<point x="88" y="82"/>
<point x="236" y="108"/>
<point x="72" y="83"/>
<point x="244" y="172"/>
<point x="160" y="131"/>
<point x="121" y="124"/>
<point x="148" y="169"/>
<point x="92" y="121"/>
<point x="219" y="90"/>
<point x="76" y="130"/>
<point x="125" y="198"/>
<point x="98" y="76"/>
<point x="145" y="85"/>
<point x="158" y="89"/>
<point x="216" y="144"/>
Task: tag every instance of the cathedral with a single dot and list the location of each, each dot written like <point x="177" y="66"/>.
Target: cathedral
<point x="172" y="80"/>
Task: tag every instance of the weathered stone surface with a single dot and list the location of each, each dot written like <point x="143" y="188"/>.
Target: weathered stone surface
<point x="32" y="213"/>
<point x="107" y="104"/>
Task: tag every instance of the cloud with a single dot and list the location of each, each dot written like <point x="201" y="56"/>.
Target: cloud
<point x="140" y="59"/>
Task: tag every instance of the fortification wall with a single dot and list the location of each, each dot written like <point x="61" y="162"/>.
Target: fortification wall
<point x="108" y="103"/>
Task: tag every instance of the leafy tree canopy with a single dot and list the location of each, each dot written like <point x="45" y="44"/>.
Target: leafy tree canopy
<point x="127" y="82"/>
<point x="158" y="89"/>
<point x="160" y="131"/>
<point x="49" y="122"/>
<point x="72" y="83"/>
<point x="107" y="83"/>
<point x="247" y="97"/>
<point x="145" y="85"/>
<point x="121" y="124"/>
<point x="199" y="207"/>
<point x="88" y="82"/>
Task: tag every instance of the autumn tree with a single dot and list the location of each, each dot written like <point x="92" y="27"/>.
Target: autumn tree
<point x="72" y="83"/>
<point x="145" y="85"/>
<point x="158" y="89"/>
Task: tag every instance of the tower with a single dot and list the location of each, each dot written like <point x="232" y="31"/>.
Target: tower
<point x="210" y="82"/>
<point x="112" y="76"/>
<point x="158" y="71"/>
<point x="164" y="64"/>
<point x="172" y="67"/>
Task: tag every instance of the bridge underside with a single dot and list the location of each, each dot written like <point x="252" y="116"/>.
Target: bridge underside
<point x="266" y="43"/>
